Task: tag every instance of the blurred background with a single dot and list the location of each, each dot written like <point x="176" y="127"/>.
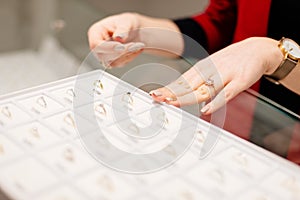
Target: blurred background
<point x="45" y="40"/>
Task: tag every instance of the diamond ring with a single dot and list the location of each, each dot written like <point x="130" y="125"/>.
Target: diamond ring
<point x="210" y="83"/>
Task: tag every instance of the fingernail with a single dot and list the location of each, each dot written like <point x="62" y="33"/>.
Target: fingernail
<point x="120" y="35"/>
<point x="204" y="109"/>
<point x="136" y="47"/>
<point x="155" y="93"/>
<point x="170" y="99"/>
<point x="119" y="48"/>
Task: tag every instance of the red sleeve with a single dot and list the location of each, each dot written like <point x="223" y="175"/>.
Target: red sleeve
<point x="218" y="21"/>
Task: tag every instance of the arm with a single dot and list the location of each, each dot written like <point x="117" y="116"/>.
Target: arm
<point x="212" y="29"/>
<point x="218" y="22"/>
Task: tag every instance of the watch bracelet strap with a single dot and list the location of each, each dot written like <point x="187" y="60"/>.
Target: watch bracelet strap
<point x="285" y="67"/>
<point x="292" y="80"/>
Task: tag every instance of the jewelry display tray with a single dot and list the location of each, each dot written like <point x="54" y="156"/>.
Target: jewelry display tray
<point x="42" y="155"/>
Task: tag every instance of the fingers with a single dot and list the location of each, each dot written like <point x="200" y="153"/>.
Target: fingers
<point x="110" y="39"/>
<point x="126" y="58"/>
<point x="109" y="47"/>
<point x="97" y="34"/>
<point x="121" y="32"/>
<point x="125" y="24"/>
<point x="115" y="27"/>
<point x="185" y="84"/>
<point x="204" y="92"/>
<point x="223" y="97"/>
<point x="201" y="94"/>
<point x="113" y="47"/>
<point x="162" y="94"/>
<point x="189" y="89"/>
<point x="197" y="96"/>
<point x="134" y="47"/>
<point x="110" y="57"/>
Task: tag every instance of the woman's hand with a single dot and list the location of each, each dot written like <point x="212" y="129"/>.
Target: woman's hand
<point x="114" y="40"/>
<point x="119" y="39"/>
<point x="221" y="76"/>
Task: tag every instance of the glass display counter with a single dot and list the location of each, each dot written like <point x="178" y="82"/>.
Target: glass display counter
<point x="42" y="156"/>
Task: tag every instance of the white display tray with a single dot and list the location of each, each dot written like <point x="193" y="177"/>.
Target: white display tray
<point x="42" y="156"/>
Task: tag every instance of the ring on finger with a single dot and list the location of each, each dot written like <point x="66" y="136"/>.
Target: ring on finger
<point x="210" y="84"/>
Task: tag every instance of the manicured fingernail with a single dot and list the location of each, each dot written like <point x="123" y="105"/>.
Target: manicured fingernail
<point x="204" y="109"/>
<point x="120" y="35"/>
<point x="119" y="48"/>
<point x="170" y="99"/>
<point x="136" y="47"/>
<point x="155" y="93"/>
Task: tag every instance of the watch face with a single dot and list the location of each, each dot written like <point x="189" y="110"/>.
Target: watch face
<point x="292" y="48"/>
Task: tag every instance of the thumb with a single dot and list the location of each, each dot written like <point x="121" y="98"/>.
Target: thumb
<point x="121" y="33"/>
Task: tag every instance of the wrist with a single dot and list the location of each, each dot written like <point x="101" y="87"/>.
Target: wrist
<point x="275" y="56"/>
<point x="159" y="33"/>
<point x="290" y="51"/>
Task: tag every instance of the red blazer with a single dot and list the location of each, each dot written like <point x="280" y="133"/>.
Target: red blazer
<point x="228" y="21"/>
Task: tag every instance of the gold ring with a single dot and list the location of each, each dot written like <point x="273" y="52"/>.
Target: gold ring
<point x="5" y="111"/>
<point x="100" y="109"/>
<point x="41" y="101"/>
<point x="98" y="84"/>
<point x="210" y="83"/>
<point x="71" y="92"/>
<point x="128" y="98"/>
<point x="68" y="119"/>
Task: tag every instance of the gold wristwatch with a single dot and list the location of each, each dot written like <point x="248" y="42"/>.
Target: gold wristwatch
<point x="291" y="53"/>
